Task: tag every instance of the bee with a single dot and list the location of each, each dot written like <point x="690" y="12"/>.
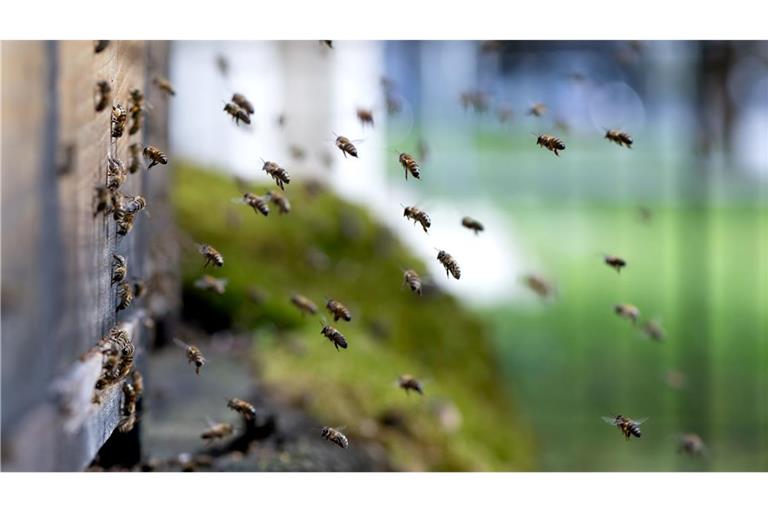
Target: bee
<point x="504" y="114"/>
<point x="164" y="85"/>
<point x="475" y="99"/>
<point x="412" y="279"/>
<point x="619" y="137"/>
<point x="246" y="409"/>
<point x="394" y="105"/>
<point x="119" y="268"/>
<point x="338" y="310"/>
<point x="675" y="379"/>
<point x="119" y="119"/>
<point x="410" y="165"/>
<point x="551" y="143"/>
<point x="277" y="173"/>
<point x="423" y="150"/>
<point x="691" y="444"/>
<point x="115" y="173"/>
<point x="346" y="146"/>
<point x="258" y="203"/>
<point x="542" y="287"/>
<point x="211" y="283"/>
<point x="128" y="419"/>
<point x="242" y="102"/>
<point x="136" y="109"/>
<point x="124" y="222"/>
<point x="628" y="426"/>
<point x="139" y="289"/>
<point x="102" y="200"/>
<point x="327" y="42"/>
<point x="102" y="95"/>
<point x="365" y="117"/>
<point x="562" y="125"/>
<point x="409" y="383"/>
<point x="537" y="110"/>
<point x="304" y="304"/>
<point x="615" y="262"/>
<point x="335" y="436"/>
<point x="155" y="156"/>
<point x="474" y="225"/>
<point x="653" y="330"/>
<point x="627" y="311"/>
<point x="124" y="295"/>
<point x="194" y="355"/>
<point x="132" y="205"/>
<point x="134" y="164"/>
<point x="138" y="382"/>
<point x="280" y="201"/>
<point x="211" y="255"/>
<point x="417" y="215"/>
<point x="222" y="64"/>
<point x="297" y="152"/>
<point x="645" y="214"/>
<point x="449" y="263"/>
<point x="334" y="336"/>
<point x="100" y="46"/>
<point x="281" y="120"/>
<point x="217" y="431"/>
<point x="237" y="113"/>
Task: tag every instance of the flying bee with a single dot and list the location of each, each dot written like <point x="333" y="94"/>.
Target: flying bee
<point x="155" y="156"/>
<point x="365" y="117"/>
<point x="305" y="305"/>
<point x="627" y="311"/>
<point x="102" y="200"/>
<point x="417" y="215"/>
<point x="691" y="444"/>
<point x="134" y="164"/>
<point x="258" y="203"/>
<point x="628" y="426"/>
<point x="409" y="383"/>
<point x="217" y="431"/>
<point x="551" y="143"/>
<point x="410" y="165"/>
<point x="474" y="225"/>
<point x="619" y="137"/>
<point x="476" y="99"/>
<point x="338" y="310"/>
<point x="541" y="286"/>
<point x="119" y="119"/>
<point x="136" y="109"/>
<point x="237" y="113"/>
<point x="100" y="46"/>
<point x="115" y="173"/>
<point x="449" y="263"/>
<point x="412" y="279"/>
<point x="119" y="268"/>
<point x="139" y="289"/>
<point x="280" y="201"/>
<point x="164" y="85"/>
<point x="394" y="105"/>
<point x="615" y="262"/>
<point x="334" y="336"/>
<point x="297" y="152"/>
<point x="246" y="409"/>
<point x="211" y="255"/>
<point x="124" y="222"/>
<point x="211" y="283"/>
<point x="504" y="114"/>
<point x="277" y="173"/>
<point x="645" y="214"/>
<point x="102" y="95"/>
<point x="346" y="146"/>
<point x="124" y="295"/>
<point x="537" y="110"/>
<point x="222" y="64"/>
<point x="194" y="355"/>
<point x="241" y="101"/>
<point x="653" y="330"/>
<point x="335" y="436"/>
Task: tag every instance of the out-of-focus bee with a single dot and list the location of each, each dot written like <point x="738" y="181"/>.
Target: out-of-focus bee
<point x="136" y="109"/>
<point x="412" y="279"/>
<point x="410" y="165"/>
<point x="476" y="99"/>
<point x="338" y="310"/>
<point x="119" y="119"/>
<point x="280" y="201"/>
<point x="297" y="152"/>
<point x="645" y="214"/>
<point x="537" y="110"/>
<point x="541" y="286"/>
<point x="327" y="42"/>
<point x="102" y="199"/>
<point x="164" y="85"/>
<point x="675" y="379"/>
<point x="305" y="305"/>
<point x="334" y="336"/>
<point x="119" y="268"/>
<point x="246" y="409"/>
<point x="335" y="436"/>
<point x="423" y="150"/>
<point x="222" y="64"/>
<point x="562" y="125"/>
<point x="139" y="289"/>
<point x="100" y="46"/>
<point x="134" y="164"/>
<point x="194" y="355"/>
<point x="277" y="173"/>
<point x="258" y="203"/>
<point x="211" y="255"/>
<point x="124" y="295"/>
<point x="619" y="137"/>
<point x="115" y="173"/>
<point x="394" y="105"/>
<point x="281" y="120"/>
<point x="474" y="225"/>
<point x="417" y="215"/>
<point x="211" y="283"/>
<point x="615" y="262"/>
<point x="504" y="114"/>
<point x="237" y="113"/>
<point x="128" y="419"/>
<point x="346" y="146"/>
<point x="102" y="95"/>
<point x="124" y="222"/>
<point x="627" y="311"/>
<point x="138" y="382"/>
<point x="653" y="330"/>
<point x="365" y="117"/>
<point x="691" y="444"/>
<point x="217" y="431"/>
<point x="449" y="263"/>
<point x="628" y="426"/>
<point x="257" y="295"/>
<point x="241" y="101"/>
<point x="314" y="187"/>
<point x="551" y="143"/>
<point x="155" y="156"/>
<point x="409" y="383"/>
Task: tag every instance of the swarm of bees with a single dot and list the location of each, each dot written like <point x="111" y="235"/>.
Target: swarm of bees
<point x="194" y="355"/>
<point x="117" y="359"/>
<point x="416" y="215"/>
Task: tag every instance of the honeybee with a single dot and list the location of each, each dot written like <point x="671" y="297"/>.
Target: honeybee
<point x="338" y="310"/>
<point x="102" y="200"/>
<point x="542" y="287"/>
<point x="297" y="152"/>
<point x="537" y="110"/>
<point x="217" y="431"/>
<point x="138" y="382"/>
<point x="211" y="283"/>
<point x="246" y="409"/>
<point x="102" y="95"/>
<point x="365" y="117"/>
<point x="335" y="436"/>
<point x="417" y="215"/>
<point x="237" y="113"/>
<point x="211" y="255"/>
<point x="128" y="419"/>
<point x="277" y="173"/>
<point x="258" y="203"/>
<point x="619" y="137"/>
<point x="124" y="222"/>
<point x="628" y="426"/>
<point x="675" y="379"/>
<point x="449" y="263"/>
<point x="653" y="330"/>
<point x="409" y="383"/>
<point x="134" y="164"/>
<point x="124" y="295"/>
<point x="100" y="46"/>
<point x="194" y="355"/>
<point x="691" y="444"/>
<point x="139" y="289"/>
<point x="164" y="85"/>
<point x="346" y="146"/>
<point x="136" y="109"/>
<point x="131" y="205"/>
<point x="241" y="101"/>
<point x="410" y="165"/>
<point x="280" y="201"/>
<point x="476" y="99"/>
<point x="119" y="268"/>
<point x="394" y="105"/>
<point x="115" y="173"/>
<point x="119" y="119"/>
<point x="551" y="143"/>
<point x="304" y="304"/>
<point x="222" y="64"/>
<point x="412" y="279"/>
<point x="155" y="156"/>
<point x="327" y="42"/>
<point x="334" y="336"/>
<point x="474" y="225"/>
<point x="615" y="262"/>
<point x="627" y="311"/>
<point x="504" y="114"/>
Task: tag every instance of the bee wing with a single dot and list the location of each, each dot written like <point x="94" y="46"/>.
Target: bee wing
<point x="180" y="343"/>
<point x="640" y="421"/>
<point x="237" y="200"/>
<point x="609" y="420"/>
<point x="210" y="422"/>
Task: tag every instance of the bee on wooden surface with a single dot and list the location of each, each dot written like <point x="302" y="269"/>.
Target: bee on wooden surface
<point x="280" y="200"/>
<point x="474" y="225"/>
<point x="409" y="383"/>
<point x="164" y="85"/>
<point x="504" y="114"/>
<point x="537" y="110"/>
<point x="132" y="205"/>
<point x="211" y="255"/>
<point x="100" y="46"/>
<point x="246" y="409"/>
<point x="237" y="113"/>
<point x="217" y="431"/>
<point x="124" y="295"/>
<point x="417" y="215"/>
<point x="346" y="146"/>
<point x="539" y="285"/>
<point x="691" y="444"/>
<point x="155" y="156"/>
<point x="551" y="143"/>
<point x="241" y="101"/>
<point x="115" y="173"/>
<point x="305" y="305"/>
<point x="102" y="200"/>
<point x="449" y="263"/>
<point x="119" y="268"/>
<point x="102" y="95"/>
<point x="365" y="117"/>
<point x="627" y="311"/>
<point x="128" y="419"/>
<point x="124" y="222"/>
<point x="412" y="279"/>
<point x="615" y="262"/>
<point x="338" y="310"/>
<point x="134" y="164"/>
<point x="194" y="355"/>
<point x="653" y="330"/>
<point x="410" y="165"/>
<point x="619" y="137"/>
<point x="211" y="283"/>
<point x="335" y="436"/>
<point x="277" y="173"/>
<point x="334" y="336"/>
<point x="258" y="203"/>
<point x="628" y="426"/>
<point x="136" y="109"/>
<point x="119" y="119"/>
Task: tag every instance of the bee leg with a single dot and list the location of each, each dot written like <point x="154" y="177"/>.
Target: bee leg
<point x="336" y="345"/>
